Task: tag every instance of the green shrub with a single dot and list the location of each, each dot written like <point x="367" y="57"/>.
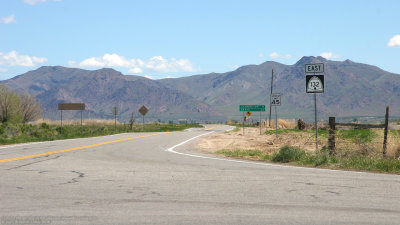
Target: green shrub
<point x="45" y="126"/>
<point x="288" y="154"/>
<point x="357" y="135"/>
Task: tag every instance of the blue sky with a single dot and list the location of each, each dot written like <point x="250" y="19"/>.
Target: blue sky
<point x="161" y="39"/>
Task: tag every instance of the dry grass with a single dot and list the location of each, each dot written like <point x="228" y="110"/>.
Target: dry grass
<point x="287" y="124"/>
<point x="95" y="122"/>
<point x="345" y="146"/>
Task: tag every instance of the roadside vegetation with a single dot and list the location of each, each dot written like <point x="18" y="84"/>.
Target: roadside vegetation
<point x="356" y="149"/>
<point x="20" y="122"/>
<point x="12" y="133"/>
<point x="321" y="159"/>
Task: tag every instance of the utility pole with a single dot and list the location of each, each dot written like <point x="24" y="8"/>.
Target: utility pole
<point x="272" y="83"/>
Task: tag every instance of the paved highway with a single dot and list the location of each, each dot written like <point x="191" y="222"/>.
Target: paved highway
<point x="159" y="178"/>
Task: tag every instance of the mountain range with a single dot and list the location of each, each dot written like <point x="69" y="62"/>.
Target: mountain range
<point x="351" y="90"/>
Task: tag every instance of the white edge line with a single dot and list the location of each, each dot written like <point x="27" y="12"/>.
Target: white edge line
<point x="171" y="149"/>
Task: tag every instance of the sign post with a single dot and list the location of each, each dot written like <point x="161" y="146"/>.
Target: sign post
<point x="270" y="96"/>
<point x="143" y="110"/>
<point x="71" y="106"/>
<point x="115" y="112"/>
<point x="315" y="84"/>
<point x="249" y="109"/>
<point x="276" y="101"/>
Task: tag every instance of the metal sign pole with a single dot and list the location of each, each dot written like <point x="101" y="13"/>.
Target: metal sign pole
<point x="115" y="122"/>
<point x="81" y="123"/>
<point x="243" y="123"/>
<point x="61" y="123"/>
<point x="272" y="82"/>
<point x="260" y="123"/>
<point x="143" y="124"/>
<point x="316" y="124"/>
<point x="276" y="122"/>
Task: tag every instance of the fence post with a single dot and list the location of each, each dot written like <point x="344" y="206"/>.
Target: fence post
<point x="331" y="140"/>
<point x="385" y="131"/>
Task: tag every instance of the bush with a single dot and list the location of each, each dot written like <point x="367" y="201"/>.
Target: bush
<point x="45" y="126"/>
<point x="288" y="154"/>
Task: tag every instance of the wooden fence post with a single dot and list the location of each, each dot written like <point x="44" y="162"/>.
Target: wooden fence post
<point x="385" y="131"/>
<point x="331" y="140"/>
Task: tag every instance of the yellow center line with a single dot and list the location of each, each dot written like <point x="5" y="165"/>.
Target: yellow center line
<point x="76" y="148"/>
<point x="210" y="128"/>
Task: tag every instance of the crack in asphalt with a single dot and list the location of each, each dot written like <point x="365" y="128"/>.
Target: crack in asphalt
<point x="28" y="164"/>
<point x="76" y="179"/>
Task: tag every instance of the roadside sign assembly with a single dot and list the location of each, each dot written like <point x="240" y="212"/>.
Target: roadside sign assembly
<point x="71" y="106"/>
<point x="276" y="101"/>
<point x="315" y="83"/>
<point x="143" y="110"/>
<point x="249" y="109"/>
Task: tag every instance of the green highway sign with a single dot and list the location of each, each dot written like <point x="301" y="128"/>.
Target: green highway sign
<point x="254" y="108"/>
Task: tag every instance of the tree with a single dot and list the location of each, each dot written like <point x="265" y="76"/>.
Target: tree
<point x="131" y="121"/>
<point x="29" y="108"/>
<point x="17" y="107"/>
<point x="9" y="105"/>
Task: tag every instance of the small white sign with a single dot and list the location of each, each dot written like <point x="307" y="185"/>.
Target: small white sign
<point x="315" y="68"/>
<point x="276" y="99"/>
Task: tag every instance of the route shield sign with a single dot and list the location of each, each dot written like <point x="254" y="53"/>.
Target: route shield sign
<point x="248" y="113"/>
<point x="253" y="108"/>
<point x="276" y="99"/>
<point x="315" y="68"/>
<point x="143" y="110"/>
<point x="315" y="84"/>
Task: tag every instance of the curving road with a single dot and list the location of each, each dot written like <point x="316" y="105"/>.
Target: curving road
<point x="160" y="178"/>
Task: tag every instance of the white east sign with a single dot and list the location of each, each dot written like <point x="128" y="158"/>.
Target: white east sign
<point x="314" y="68"/>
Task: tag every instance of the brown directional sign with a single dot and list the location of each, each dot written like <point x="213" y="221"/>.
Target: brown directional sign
<point x="71" y="106"/>
<point x="143" y="110"/>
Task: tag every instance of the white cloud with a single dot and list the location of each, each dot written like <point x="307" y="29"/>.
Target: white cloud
<point x="34" y="2"/>
<point x="154" y="64"/>
<point x="394" y="41"/>
<point x="149" y="77"/>
<point x="9" y="19"/>
<point x="136" y="70"/>
<point x="14" y="59"/>
<point x="260" y="55"/>
<point x="3" y="70"/>
<point x="329" y="55"/>
<point x="275" y="55"/>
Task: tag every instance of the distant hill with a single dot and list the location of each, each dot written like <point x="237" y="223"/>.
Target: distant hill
<point x="102" y="89"/>
<point x="352" y="89"/>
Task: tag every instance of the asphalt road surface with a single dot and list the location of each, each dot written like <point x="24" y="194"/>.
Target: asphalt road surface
<point x="158" y="178"/>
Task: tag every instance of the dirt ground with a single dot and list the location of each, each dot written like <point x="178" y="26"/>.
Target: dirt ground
<point x="253" y="140"/>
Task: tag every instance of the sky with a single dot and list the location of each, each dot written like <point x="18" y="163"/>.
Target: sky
<point x="160" y="39"/>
